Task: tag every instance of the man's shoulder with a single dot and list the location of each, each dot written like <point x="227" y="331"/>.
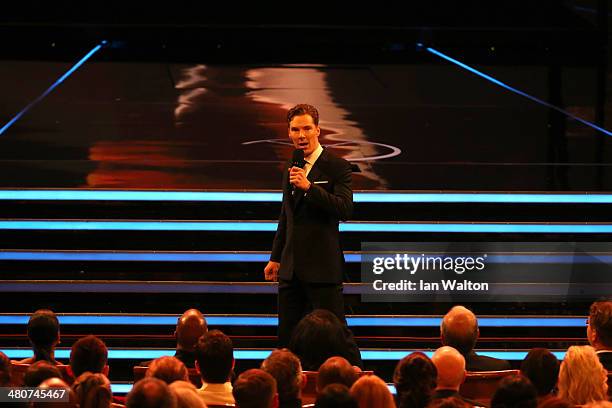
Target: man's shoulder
<point x="476" y="362"/>
<point x="334" y="161"/>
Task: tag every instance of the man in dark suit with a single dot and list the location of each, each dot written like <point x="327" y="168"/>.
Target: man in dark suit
<point x="599" y="331"/>
<point x="306" y="257"/>
<point x="459" y="329"/>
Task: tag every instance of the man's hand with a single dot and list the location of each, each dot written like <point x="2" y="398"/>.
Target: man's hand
<point x="271" y="271"/>
<point x="297" y="177"/>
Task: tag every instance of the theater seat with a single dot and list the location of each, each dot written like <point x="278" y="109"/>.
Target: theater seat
<point x="18" y="373"/>
<point x="480" y="386"/>
<point x="194" y="375"/>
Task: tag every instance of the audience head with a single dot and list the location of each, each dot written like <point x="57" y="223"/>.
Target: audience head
<point x="450" y="365"/>
<point x="285" y="367"/>
<point x="371" y="392"/>
<point x="39" y="372"/>
<point x="336" y="370"/>
<point x="168" y="369"/>
<point x="89" y="354"/>
<point x="151" y="392"/>
<point x="459" y="329"/>
<point x="43" y="332"/>
<point x="515" y="391"/>
<point x="449" y="402"/>
<point x="335" y="396"/>
<point x="59" y="384"/>
<point x="542" y="368"/>
<point x="582" y="378"/>
<point x="189" y="328"/>
<point x="5" y="370"/>
<point x="599" y="329"/>
<point x="255" y="389"/>
<point x="318" y="336"/>
<point x="215" y="357"/>
<point x="186" y="395"/>
<point x="93" y="390"/>
<point x="415" y="379"/>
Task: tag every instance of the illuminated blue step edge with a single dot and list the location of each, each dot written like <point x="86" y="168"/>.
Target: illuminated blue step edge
<point x="255" y="256"/>
<point x="269" y="226"/>
<point x="275" y="196"/>
<point x="261" y="354"/>
<point x="253" y="320"/>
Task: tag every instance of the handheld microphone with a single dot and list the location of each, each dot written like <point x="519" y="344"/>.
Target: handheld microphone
<point x="297" y="160"/>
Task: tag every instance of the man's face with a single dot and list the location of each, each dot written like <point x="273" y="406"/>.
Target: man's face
<point x="304" y="133"/>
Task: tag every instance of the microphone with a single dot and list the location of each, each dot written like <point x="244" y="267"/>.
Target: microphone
<point x="297" y="160"/>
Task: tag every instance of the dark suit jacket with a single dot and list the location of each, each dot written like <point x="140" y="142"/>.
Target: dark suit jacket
<point x="474" y="362"/>
<point x="606" y="359"/>
<point x="307" y="241"/>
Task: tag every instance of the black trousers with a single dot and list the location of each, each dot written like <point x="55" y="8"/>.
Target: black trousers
<point x="296" y="299"/>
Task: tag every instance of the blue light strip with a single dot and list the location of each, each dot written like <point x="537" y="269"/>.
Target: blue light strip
<point x="269" y="226"/>
<point x="256" y="257"/>
<point x="52" y="87"/>
<point x="272" y="321"/>
<point x="516" y="91"/>
<point x="253" y="196"/>
<point x="260" y="354"/>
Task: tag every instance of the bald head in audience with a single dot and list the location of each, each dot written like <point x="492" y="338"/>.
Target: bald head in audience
<point x="459" y="329"/>
<point x="336" y="370"/>
<point x="68" y="399"/>
<point x="451" y="368"/>
<point x="151" y="392"/>
<point x="190" y="327"/>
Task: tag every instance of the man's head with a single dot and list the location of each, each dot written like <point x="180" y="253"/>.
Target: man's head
<point x="255" y="388"/>
<point x="43" y="332"/>
<point x="189" y="328"/>
<point x="286" y="369"/>
<point x="459" y="329"/>
<point x="599" y="329"/>
<point x="336" y="370"/>
<point x="151" y="393"/>
<point x="215" y="357"/>
<point x="336" y="396"/>
<point x="304" y="130"/>
<point x="168" y="369"/>
<point x="542" y="368"/>
<point x="451" y="368"/>
<point x="88" y="354"/>
<point x="39" y="372"/>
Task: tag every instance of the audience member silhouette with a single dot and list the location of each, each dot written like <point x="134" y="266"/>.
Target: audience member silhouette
<point x="39" y="372"/>
<point x="370" y="391"/>
<point x="215" y="362"/>
<point x="336" y="370"/>
<point x="168" y="369"/>
<point x="44" y="335"/>
<point x="599" y="331"/>
<point x="186" y="395"/>
<point x="189" y="328"/>
<point x="286" y="369"/>
<point x="151" y="392"/>
<point x="255" y="388"/>
<point x="415" y="379"/>
<point x="515" y="391"/>
<point x="582" y="378"/>
<point x="89" y="354"/>
<point x="335" y="396"/>
<point x="450" y="365"/>
<point x="92" y="390"/>
<point x="542" y="368"/>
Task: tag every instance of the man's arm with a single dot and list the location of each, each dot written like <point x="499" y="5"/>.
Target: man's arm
<point x="340" y="203"/>
<point x="273" y="266"/>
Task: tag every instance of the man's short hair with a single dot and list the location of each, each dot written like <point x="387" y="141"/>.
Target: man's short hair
<point x="515" y="391"/>
<point x="254" y="388"/>
<point x="336" y="396"/>
<point x="303" y="109"/>
<point x="459" y="329"/>
<point x="40" y="371"/>
<point x="215" y="357"/>
<point x="151" y="392"/>
<point x="168" y="369"/>
<point x="600" y="319"/>
<point x="336" y="370"/>
<point x="286" y="369"/>
<point x="542" y="368"/>
<point x="88" y="354"/>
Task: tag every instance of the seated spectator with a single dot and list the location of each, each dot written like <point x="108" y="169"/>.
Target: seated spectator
<point x="5" y="370"/>
<point x="450" y="366"/>
<point x="151" y="392"/>
<point x="415" y="379"/>
<point x="89" y="354"/>
<point x="335" y="396"/>
<point x="542" y="368"/>
<point x="599" y="331"/>
<point x="186" y="395"/>
<point x="459" y="329"/>
<point x="92" y="390"/>
<point x="255" y="389"/>
<point x="321" y="335"/>
<point x="582" y="378"/>
<point x="515" y="391"/>
<point x="285" y="367"/>
<point x="449" y="402"/>
<point x="168" y="369"/>
<point x="70" y="401"/>
<point x="215" y="362"/>
<point x="189" y="328"/>
<point x="371" y="392"/>
<point x="336" y="370"/>
<point x="39" y="372"/>
<point x="43" y="333"/>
